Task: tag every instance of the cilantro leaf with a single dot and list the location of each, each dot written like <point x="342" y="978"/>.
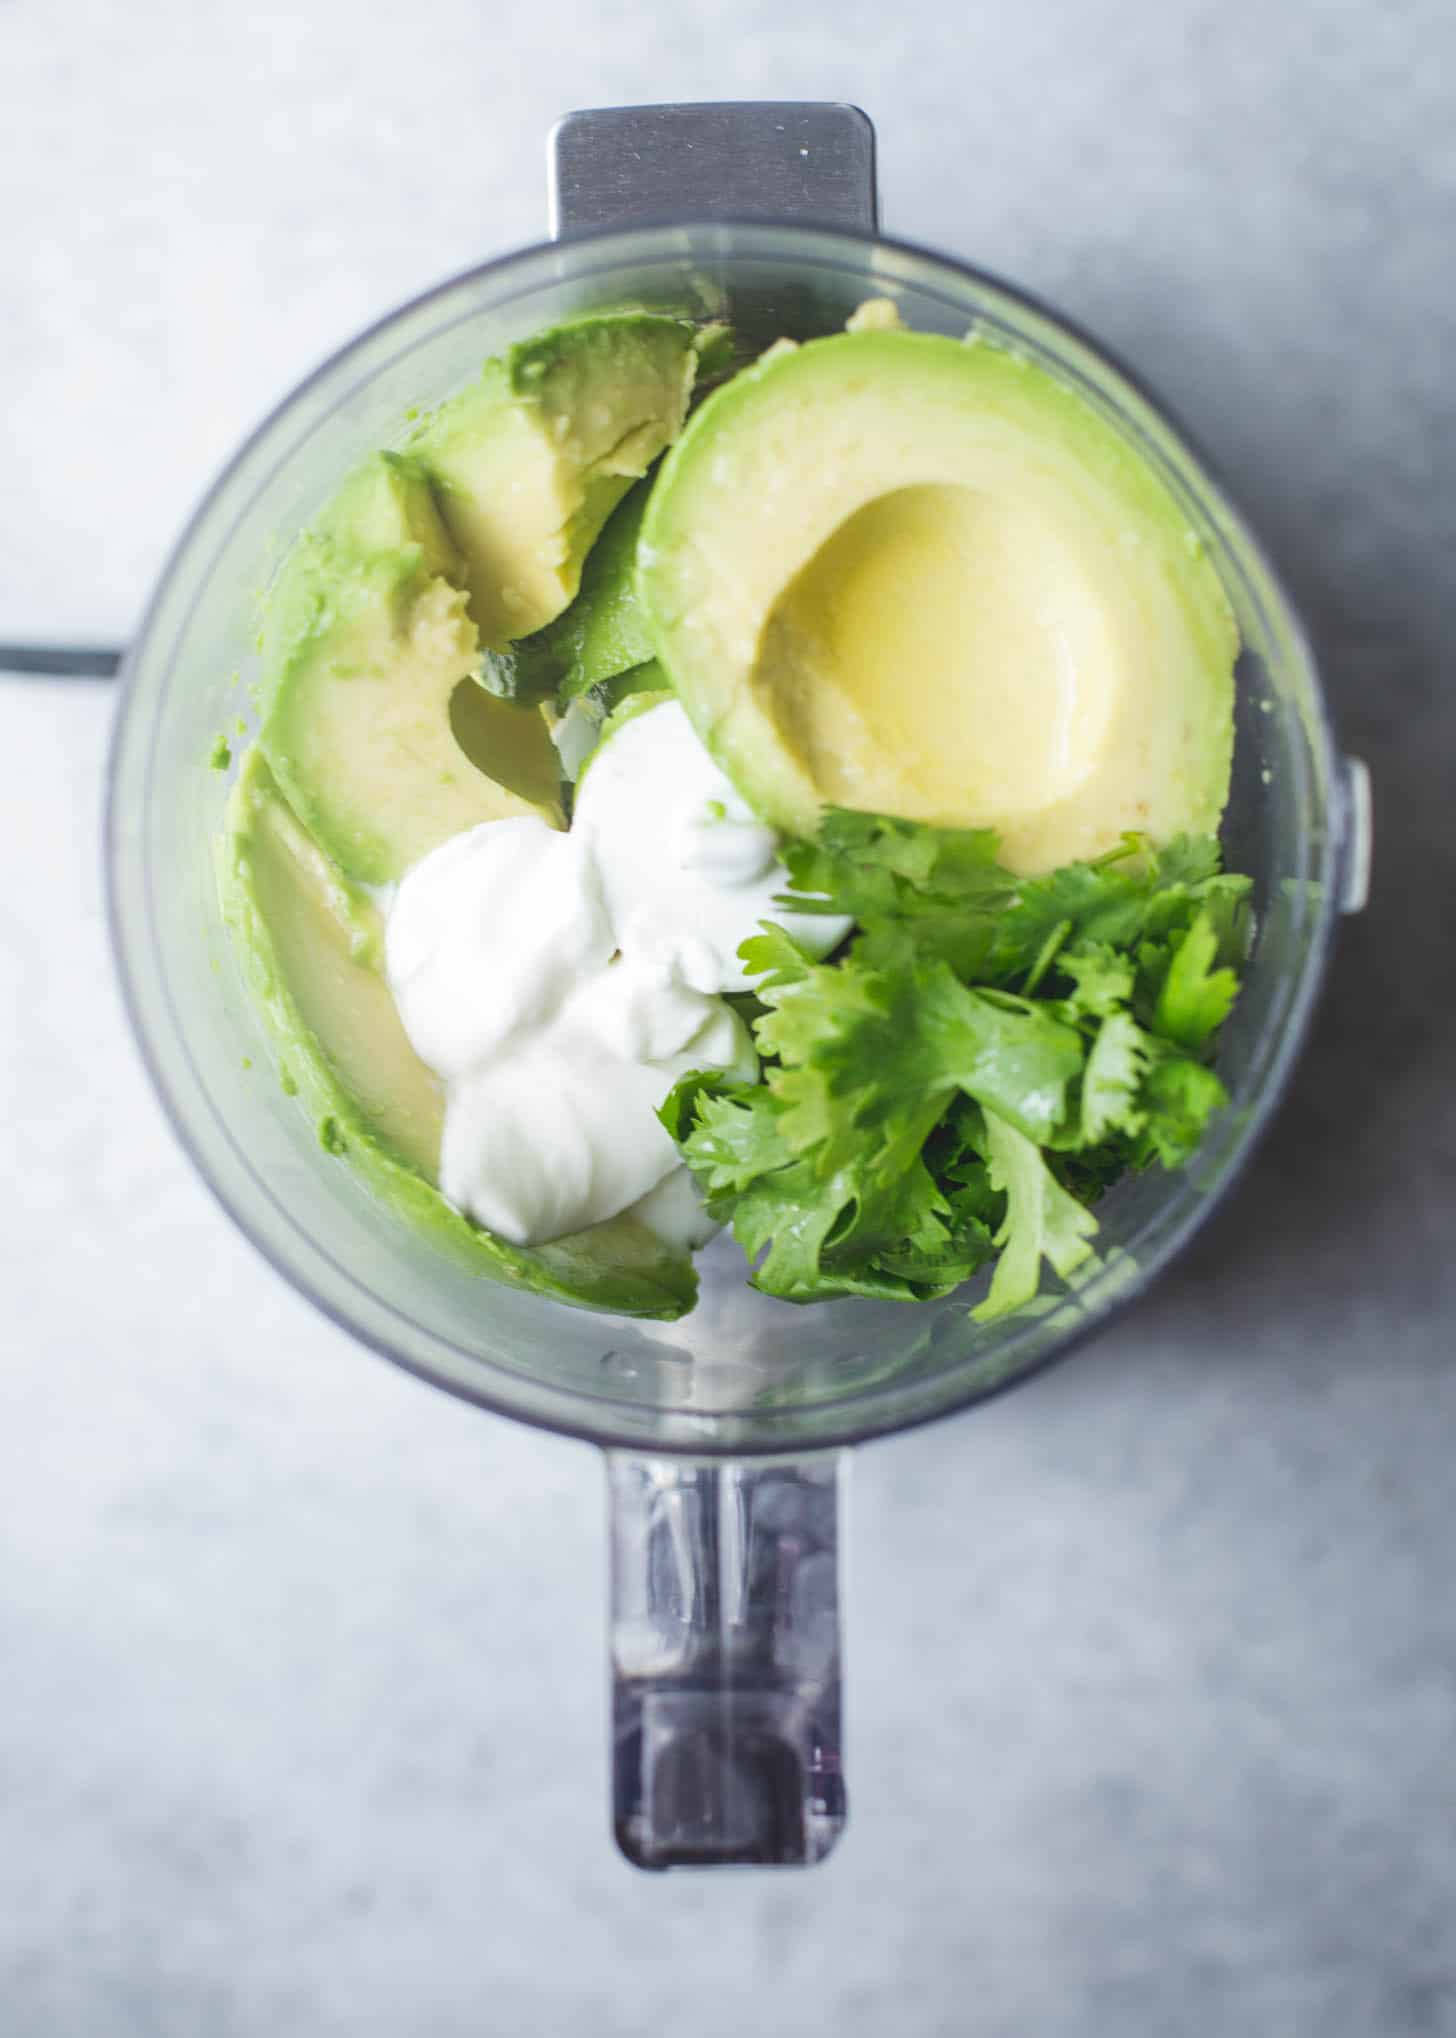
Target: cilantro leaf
<point x="1102" y="979"/>
<point x="844" y="1032"/>
<point x="1190" y="860"/>
<point x="1178" y="1098"/>
<point x="787" y="1205"/>
<point x="1042" y="1221"/>
<point x="1122" y="898"/>
<point x="1082" y="903"/>
<point x="916" y="891"/>
<point x="732" y="1133"/>
<point x="1112" y="1079"/>
<point x="679" y="1108"/>
<point x="962" y="1242"/>
<point x="869" y="865"/>
<point x="934" y="1274"/>
<point x="785" y="1217"/>
<point x="1195" y="998"/>
<point x="774" y="955"/>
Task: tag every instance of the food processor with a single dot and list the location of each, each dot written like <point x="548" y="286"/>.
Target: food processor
<point x="725" y="1433"/>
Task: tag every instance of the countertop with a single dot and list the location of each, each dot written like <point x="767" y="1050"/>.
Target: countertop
<point x="1152" y="1665"/>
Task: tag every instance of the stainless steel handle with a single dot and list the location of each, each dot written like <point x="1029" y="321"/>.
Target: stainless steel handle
<point x="758" y="159"/>
<point x="725" y="1661"/>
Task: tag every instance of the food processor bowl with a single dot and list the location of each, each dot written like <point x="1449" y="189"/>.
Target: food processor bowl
<point x="723" y="1429"/>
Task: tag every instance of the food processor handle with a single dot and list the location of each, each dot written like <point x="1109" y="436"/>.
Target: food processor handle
<point x="725" y="1660"/>
<point x="805" y="160"/>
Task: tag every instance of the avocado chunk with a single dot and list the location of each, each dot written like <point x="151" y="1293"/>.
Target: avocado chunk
<point x="322" y="941"/>
<point x="530" y="461"/>
<point x="599" y="637"/>
<point x="310" y="945"/>
<point x="374" y="723"/>
<point x="917" y="576"/>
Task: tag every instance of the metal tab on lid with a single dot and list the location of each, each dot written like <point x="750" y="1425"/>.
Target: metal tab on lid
<point x="1358" y="835"/>
<point x="754" y="159"/>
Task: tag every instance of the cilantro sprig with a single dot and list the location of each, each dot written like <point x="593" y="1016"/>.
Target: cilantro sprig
<point x="988" y="1055"/>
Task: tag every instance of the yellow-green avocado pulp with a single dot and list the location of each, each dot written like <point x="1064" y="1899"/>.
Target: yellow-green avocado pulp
<point x="916" y="576"/>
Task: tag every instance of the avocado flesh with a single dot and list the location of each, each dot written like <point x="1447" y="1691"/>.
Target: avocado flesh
<point x="366" y="645"/>
<point x="529" y="463"/>
<point x="310" y="945"/>
<point x="324" y="939"/>
<point x="599" y="637"/>
<point x="915" y="576"/>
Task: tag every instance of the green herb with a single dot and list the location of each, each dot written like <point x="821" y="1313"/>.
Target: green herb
<point x="985" y="1059"/>
<point x="1195" y="998"/>
<point x="1042" y="1221"/>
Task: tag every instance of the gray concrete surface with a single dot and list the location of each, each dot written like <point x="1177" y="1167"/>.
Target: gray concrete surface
<point x="1153" y="1665"/>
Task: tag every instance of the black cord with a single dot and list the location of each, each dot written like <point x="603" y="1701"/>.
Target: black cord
<point x="61" y="661"/>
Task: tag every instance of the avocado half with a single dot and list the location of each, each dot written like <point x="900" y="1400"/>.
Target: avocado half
<point x="530" y="461"/>
<point x="376" y="724"/>
<point x="369" y="658"/>
<point x="919" y="576"/>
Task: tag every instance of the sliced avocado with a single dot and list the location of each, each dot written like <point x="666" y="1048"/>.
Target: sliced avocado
<point x="374" y="724"/>
<point x="530" y="462"/>
<point x="599" y="637"/>
<point x="902" y="573"/>
<point x="322" y="940"/>
<point x="717" y="349"/>
<point x="310" y="945"/>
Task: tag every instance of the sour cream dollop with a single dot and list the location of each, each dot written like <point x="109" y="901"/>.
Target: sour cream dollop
<point x="687" y="869"/>
<point x="559" y="984"/>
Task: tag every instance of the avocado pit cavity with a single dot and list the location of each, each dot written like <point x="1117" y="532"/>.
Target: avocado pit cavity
<point x="943" y="656"/>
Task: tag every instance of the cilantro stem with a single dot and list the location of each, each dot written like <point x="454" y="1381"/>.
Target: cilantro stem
<point x="1047" y="956"/>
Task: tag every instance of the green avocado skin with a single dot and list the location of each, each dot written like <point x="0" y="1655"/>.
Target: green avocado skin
<point x="600" y="636"/>
<point x="618" y="1267"/>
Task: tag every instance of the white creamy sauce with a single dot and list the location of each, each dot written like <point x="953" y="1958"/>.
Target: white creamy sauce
<point x="560" y="985"/>
<point x="687" y="870"/>
<point x="487" y="938"/>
